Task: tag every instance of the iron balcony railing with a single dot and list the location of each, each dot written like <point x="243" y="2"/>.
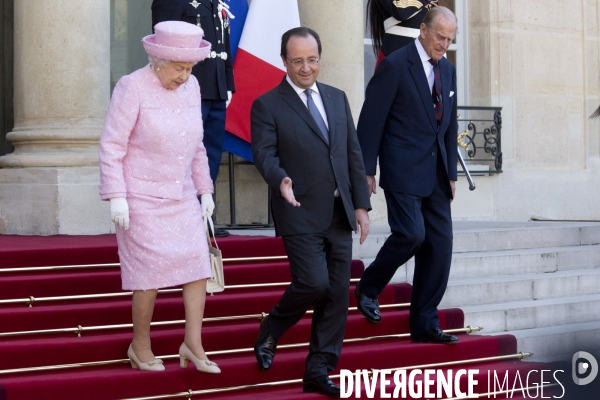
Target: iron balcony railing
<point x="479" y="137"/>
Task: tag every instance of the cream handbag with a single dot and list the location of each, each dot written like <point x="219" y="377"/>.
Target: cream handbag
<point x="217" y="282"/>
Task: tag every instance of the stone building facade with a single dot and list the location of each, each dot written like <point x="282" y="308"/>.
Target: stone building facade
<point x="538" y="60"/>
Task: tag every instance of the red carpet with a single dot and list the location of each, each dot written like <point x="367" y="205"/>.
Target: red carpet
<point x="118" y="381"/>
<point x="36" y="251"/>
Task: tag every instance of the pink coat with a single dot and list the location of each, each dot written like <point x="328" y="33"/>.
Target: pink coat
<point x="151" y="143"/>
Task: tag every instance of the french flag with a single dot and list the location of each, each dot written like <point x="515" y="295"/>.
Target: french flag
<point x="257" y="65"/>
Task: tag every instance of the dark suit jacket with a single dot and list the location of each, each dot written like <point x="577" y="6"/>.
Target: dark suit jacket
<point x="286" y="141"/>
<point x="397" y="123"/>
<point x="214" y="74"/>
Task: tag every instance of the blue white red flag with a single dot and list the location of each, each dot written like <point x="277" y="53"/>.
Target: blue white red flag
<point x="257" y="65"/>
<point x="239" y="9"/>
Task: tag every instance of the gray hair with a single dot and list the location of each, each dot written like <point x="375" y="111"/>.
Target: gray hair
<point x="158" y="62"/>
<point x="437" y="13"/>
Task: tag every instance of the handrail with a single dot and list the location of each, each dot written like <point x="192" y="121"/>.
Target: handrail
<point x="486" y="108"/>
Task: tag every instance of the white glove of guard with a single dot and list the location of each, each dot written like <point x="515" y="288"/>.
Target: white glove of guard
<point x="229" y="95"/>
<point x="207" y="205"/>
<point x="119" y="212"/>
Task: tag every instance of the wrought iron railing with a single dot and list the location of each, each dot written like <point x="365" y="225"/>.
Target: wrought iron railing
<point x="479" y="136"/>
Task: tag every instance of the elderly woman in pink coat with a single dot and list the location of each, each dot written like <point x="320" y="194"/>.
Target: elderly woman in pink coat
<point x="153" y="166"/>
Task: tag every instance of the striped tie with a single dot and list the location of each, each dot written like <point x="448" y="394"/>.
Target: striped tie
<point x="436" y="92"/>
<point x="314" y="111"/>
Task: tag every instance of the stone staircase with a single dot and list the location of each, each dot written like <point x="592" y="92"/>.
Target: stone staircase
<point x="539" y="281"/>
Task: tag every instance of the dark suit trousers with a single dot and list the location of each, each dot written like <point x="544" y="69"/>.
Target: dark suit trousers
<point x="213" y="118"/>
<point x="320" y="266"/>
<point x="421" y="227"/>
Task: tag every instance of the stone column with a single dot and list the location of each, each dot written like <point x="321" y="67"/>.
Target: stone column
<point x="48" y="185"/>
<point x="340" y="24"/>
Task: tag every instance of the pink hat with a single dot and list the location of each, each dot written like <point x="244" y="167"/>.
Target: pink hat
<point x="177" y="41"/>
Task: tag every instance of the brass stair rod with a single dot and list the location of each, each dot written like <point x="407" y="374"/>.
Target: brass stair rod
<point x="110" y="265"/>
<point x="468" y="329"/>
<point x="292" y="381"/>
<point x="507" y="391"/>
<point x="191" y="393"/>
<point x="80" y="329"/>
<point x="50" y="268"/>
<point x="31" y="299"/>
<point x="521" y="355"/>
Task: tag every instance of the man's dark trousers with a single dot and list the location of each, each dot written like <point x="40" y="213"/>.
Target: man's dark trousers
<point x="320" y="266"/>
<point x="421" y="227"/>
<point x="213" y="118"/>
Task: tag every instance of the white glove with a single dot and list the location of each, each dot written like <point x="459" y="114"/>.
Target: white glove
<point x="119" y="212"/>
<point x="229" y="95"/>
<point x="207" y="205"/>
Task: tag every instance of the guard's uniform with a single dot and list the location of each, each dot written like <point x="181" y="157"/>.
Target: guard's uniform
<point x="402" y="19"/>
<point x="215" y="73"/>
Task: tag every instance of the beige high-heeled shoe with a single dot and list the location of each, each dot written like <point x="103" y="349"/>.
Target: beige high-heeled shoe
<point x="154" y="365"/>
<point x="186" y="354"/>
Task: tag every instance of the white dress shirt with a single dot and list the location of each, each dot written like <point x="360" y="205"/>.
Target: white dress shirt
<point x="316" y="96"/>
<point x="426" y="64"/>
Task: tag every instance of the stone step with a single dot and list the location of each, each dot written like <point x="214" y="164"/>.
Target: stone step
<point x="505" y="288"/>
<point x="557" y="341"/>
<point x="530" y="314"/>
<point x="522" y="261"/>
<point x="537" y="281"/>
<point x="511" y="262"/>
<point x="481" y="236"/>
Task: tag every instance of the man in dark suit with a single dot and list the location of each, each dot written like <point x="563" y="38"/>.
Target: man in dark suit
<point x="305" y="146"/>
<point x="214" y="74"/>
<point x="409" y="120"/>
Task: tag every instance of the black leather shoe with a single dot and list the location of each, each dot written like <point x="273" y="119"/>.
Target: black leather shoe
<point x="220" y="233"/>
<point x="436" y="335"/>
<point x="264" y="347"/>
<point x="321" y="384"/>
<point x="367" y="306"/>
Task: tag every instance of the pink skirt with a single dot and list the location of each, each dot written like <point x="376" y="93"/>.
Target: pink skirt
<point x="165" y="244"/>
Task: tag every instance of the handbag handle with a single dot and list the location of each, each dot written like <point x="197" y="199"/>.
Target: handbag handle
<point x="208" y="226"/>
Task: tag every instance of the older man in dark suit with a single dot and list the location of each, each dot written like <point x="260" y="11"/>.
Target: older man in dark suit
<point x="409" y="121"/>
<point x="305" y="146"/>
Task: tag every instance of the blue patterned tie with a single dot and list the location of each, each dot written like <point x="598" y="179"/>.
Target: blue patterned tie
<point x="314" y="111"/>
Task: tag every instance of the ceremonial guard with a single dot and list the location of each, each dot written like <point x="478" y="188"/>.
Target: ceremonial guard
<point x="395" y="23"/>
<point x="215" y="73"/>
